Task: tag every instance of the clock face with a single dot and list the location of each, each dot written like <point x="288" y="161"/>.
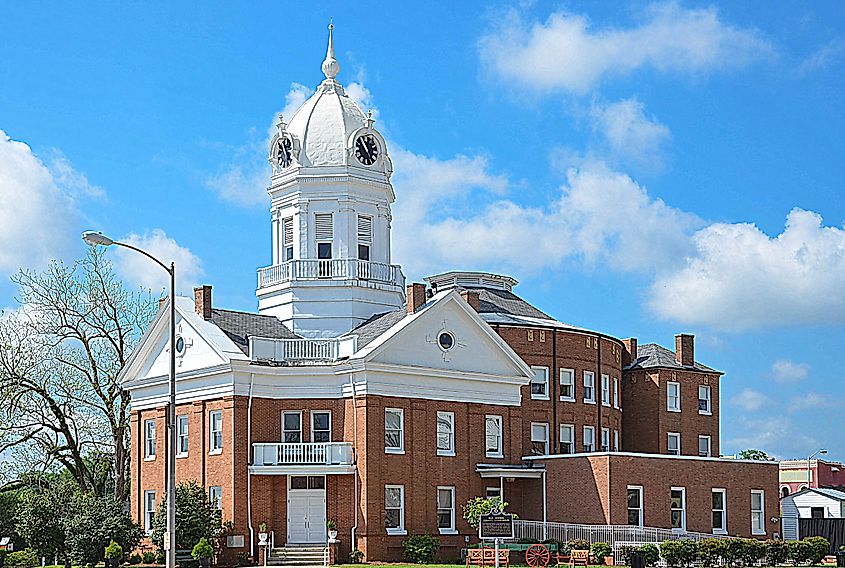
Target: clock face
<point x="366" y="149"/>
<point x="283" y="152"/>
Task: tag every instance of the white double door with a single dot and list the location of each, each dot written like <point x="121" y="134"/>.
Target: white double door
<point x="306" y="515"/>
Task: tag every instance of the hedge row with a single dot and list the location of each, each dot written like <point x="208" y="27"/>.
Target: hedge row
<point x="734" y="552"/>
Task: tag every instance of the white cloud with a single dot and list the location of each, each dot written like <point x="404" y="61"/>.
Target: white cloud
<point x="750" y="400"/>
<point x="823" y="57"/>
<point x="811" y="401"/>
<point x="741" y="278"/>
<point x="786" y="371"/>
<point x="136" y="269"/>
<point x="775" y="435"/>
<point x="630" y="134"/>
<point x="565" y="53"/>
<point x="39" y="218"/>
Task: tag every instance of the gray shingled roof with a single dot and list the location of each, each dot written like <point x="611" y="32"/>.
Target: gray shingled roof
<point x="376" y="325"/>
<point x="240" y="326"/>
<point x="506" y="302"/>
<point x="651" y="355"/>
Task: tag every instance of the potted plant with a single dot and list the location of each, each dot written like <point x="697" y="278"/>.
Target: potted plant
<point x="114" y="553"/>
<point x="602" y="552"/>
<point x="262" y="534"/>
<point x="331" y="527"/>
<point x="203" y="553"/>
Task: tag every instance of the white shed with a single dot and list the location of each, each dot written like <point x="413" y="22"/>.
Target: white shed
<point x="810" y="504"/>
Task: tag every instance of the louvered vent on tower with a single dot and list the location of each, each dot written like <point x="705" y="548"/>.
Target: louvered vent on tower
<point x="323" y="226"/>
<point x="365" y="229"/>
<point x="287" y="226"/>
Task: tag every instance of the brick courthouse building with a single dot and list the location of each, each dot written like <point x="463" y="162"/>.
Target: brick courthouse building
<point x="351" y="397"/>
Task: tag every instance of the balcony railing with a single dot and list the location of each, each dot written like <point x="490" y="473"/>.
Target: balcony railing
<point x="269" y="349"/>
<point x="330" y="269"/>
<point x="315" y="453"/>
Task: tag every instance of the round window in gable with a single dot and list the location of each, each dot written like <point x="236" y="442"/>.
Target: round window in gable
<point x="180" y="345"/>
<point x="445" y="340"/>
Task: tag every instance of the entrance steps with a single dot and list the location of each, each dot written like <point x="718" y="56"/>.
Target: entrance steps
<point x="298" y="555"/>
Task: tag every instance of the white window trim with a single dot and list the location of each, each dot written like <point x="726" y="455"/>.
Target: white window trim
<point x="147" y="455"/>
<point x="592" y="430"/>
<point x="211" y="449"/>
<point x="401" y="448"/>
<point x="709" y="446"/>
<point x="500" y="452"/>
<point x="670" y="408"/>
<point x="592" y="374"/>
<point x="616" y="392"/>
<point x="762" y="530"/>
<point x="669" y="436"/>
<point x="641" y="508"/>
<point x="545" y="375"/>
<point x="452" y="529"/>
<point x="451" y="417"/>
<point x="210" y="498"/>
<point x="724" y="529"/>
<point x="605" y="396"/>
<point x="605" y="434"/>
<point x="616" y="440"/>
<point x="572" y="385"/>
<point x="148" y="522"/>
<point x="312" y="413"/>
<point x="179" y="419"/>
<point x="400" y="530"/>
<point x="545" y="426"/>
<point x="683" y="491"/>
<point x="284" y="431"/>
<point x="709" y="389"/>
<point x="571" y="428"/>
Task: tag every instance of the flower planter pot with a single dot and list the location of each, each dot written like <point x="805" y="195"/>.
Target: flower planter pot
<point x="204" y="562"/>
<point x="332" y="534"/>
<point x="262" y="538"/>
<point x="608" y="561"/>
<point x="112" y="562"/>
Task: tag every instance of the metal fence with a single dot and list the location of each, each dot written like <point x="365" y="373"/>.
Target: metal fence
<point x="617" y="536"/>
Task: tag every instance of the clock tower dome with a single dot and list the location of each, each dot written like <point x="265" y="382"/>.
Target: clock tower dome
<point x="330" y="195"/>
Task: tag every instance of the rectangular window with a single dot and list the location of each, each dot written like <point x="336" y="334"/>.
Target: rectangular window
<point x="215" y="498"/>
<point x="673" y="397"/>
<point x="635" y="505"/>
<point x="720" y="525"/>
<point x="567" y="439"/>
<point x="589" y="387"/>
<point x="182" y="433"/>
<point x="492" y="492"/>
<point x="540" y="383"/>
<point x="394" y="431"/>
<point x="149" y="510"/>
<point x="493" y="436"/>
<point x="445" y="433"/>
<point x="287" y="238"/>
<point x="758" y="518"/>
<point x="567" y="385"/>
<point x="321" y="426"/>
<point x="215" y="431"/>
<point x="365" y="236"/>
<point x="324" y="252"/>
<point x="394" y="509"/>
<point x="446" y="510"/>
<point x="678" y="513"/>
<point x="363" y="252"/>
<point x="616" y="440"/>
<point x="323" y="227"/>
<point x="615" y="392"/>
<point x="539" y="438"/>
<point x="292" y="427"/>
<point x="150" y="439"/>
<point x="674" y="446"/>
<point x="605" y="439"/>
<point x="704" y="399"/>
<point x="589" y="438"/>
<point x="605" y="390"/>
<point x="704" y="446"/>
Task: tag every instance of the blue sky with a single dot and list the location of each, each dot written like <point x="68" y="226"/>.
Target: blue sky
<point x="642" y="168"/>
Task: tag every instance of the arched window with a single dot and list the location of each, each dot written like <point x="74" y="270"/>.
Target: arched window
<point x="784" y="492"/>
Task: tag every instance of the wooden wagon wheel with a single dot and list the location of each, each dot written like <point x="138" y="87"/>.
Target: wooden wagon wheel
<point x="537" y="555"/>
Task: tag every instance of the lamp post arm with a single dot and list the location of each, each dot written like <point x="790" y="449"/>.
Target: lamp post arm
<point x="169" y="269"/>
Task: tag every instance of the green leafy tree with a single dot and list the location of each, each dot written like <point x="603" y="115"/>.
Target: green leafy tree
<point x="196" y="518"/>
<point x="477" y="506"/>
<point x="95" y="522"/>
<point x="41" y="516"/>
<point x="752" y="454"/>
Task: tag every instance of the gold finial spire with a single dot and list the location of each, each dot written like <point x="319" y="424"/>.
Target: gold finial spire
<point x="330" y="65"/>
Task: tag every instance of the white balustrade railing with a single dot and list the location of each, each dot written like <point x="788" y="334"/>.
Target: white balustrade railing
<point x="314" y="269"/>
<point x="270" y="349"/>
<point x="313" y="453"/>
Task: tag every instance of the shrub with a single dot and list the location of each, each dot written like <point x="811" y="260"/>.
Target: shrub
<point x="22" y="559"/>
<point x="243" y="559"/>
<point x="202" y="549"/>
<point x="149" y="557"/>
<point x="776" y="552"/>
<point x="114" y="550"/>
<point x="799" y="551"/>
<point x="599" y="550"/>
<point x="356" y="556"/>
<point x="652" y="554"/>
<point x="579" y="544"/>
<point x="421" y="548"/>
<point x="711" y="551"/>
<point x="732" y="550"/>
<point x="753" y="551"/>
<point x="679" y="552"/>
<point x="160" y="557"/>
<point x="135" y="559"/>
<point x="818" y="548"/>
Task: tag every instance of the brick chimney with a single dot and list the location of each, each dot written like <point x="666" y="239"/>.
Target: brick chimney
<point x="685" y="349"/>
<point x="416" y="297"/>
<point x="202" y="301"/>
<point x="630" y="354"/>
<point x="471" y="297"/>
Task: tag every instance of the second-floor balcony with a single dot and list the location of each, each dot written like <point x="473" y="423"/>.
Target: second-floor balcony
<point x="302" y="350"/>
<point x="306" y="457"/>
<point x="331" y="269"/>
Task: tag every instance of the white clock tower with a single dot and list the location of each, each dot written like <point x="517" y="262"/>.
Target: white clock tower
<point x="330" y="197"/>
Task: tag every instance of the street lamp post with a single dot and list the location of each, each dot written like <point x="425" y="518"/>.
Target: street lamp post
<point x="809" y="481"/>
<point x="92" y="238"/>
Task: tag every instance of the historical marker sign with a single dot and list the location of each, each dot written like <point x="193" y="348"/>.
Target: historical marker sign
<point x="495" y="525"/>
